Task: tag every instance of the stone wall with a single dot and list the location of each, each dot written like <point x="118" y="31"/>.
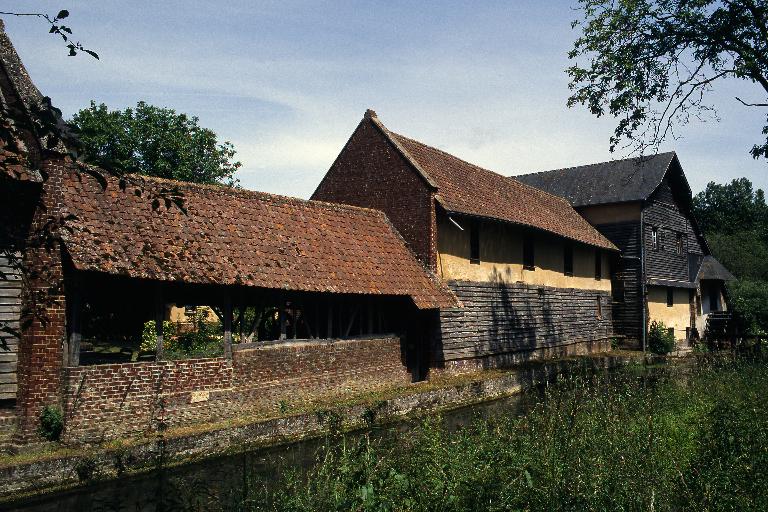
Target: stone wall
<point x="109" y="401"/>
<point x="504" y="324"/>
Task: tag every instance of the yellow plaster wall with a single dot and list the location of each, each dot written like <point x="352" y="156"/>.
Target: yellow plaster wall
<point x="501" y="258"/>
<point x="610" y="213"/>
<point x="678" y="316"/>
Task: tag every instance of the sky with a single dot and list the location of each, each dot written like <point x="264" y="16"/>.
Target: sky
<point x="288" y="81"/>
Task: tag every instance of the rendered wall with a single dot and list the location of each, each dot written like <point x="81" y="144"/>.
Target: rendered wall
<point x="110" y="401"/>
<point x="678" y="316"/>
<point x="501" y="258"/>
<point x="501" y="323"/>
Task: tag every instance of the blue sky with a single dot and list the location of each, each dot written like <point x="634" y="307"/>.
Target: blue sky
<point x="287" y="81"/>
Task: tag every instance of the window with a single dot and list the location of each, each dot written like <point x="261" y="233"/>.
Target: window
<point x="655" y="239"/>
<point x="474" y="242"/>
<point x="598" y="265"/>
<point x="670" y="296"/>
<point x="568" y="260"/>
<point x="617" y="290"/>
<point x="190" y="311"/>
<point x="599" y="311"/>
<point x="679" y="245"/>
<point x="528" y="256"/>
<point x="671" y="332"/>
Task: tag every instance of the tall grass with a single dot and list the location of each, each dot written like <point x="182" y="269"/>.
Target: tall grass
<point x="696" y="441"/>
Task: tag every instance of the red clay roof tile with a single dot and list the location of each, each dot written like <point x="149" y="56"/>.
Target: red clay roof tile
<point x="239" y="237"/>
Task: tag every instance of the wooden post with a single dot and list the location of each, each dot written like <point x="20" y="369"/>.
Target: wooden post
<point x="281" y="312"/>
<point x="159" y="319"/>
<point x="370" y="305"/>
<point x="75" y="332"/>
<point x="228" y="326"/>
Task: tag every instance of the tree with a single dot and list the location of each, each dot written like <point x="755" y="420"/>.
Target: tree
<point x="734" y="218"/>
<point x="651" y="63"/>
<point x="156" y="142"/>
<point x="57" y="28"/>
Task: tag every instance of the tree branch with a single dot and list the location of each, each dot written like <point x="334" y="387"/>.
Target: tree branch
<point x="751" y="104"/>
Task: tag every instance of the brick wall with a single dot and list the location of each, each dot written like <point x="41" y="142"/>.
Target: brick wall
<point x="502" y="324"/>
<point x="370" y="172"/>
<point x="43" y="316"/>
<point x="108" y="401"/>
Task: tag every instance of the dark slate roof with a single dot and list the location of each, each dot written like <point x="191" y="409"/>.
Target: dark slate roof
<point x="617" y="181"/>
<point x="468" y="189"/>
<point x="712" y="269"/>
<point x="237" y="237"/>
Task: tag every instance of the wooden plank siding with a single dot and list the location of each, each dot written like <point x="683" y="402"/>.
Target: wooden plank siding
<point x="10" y="311"/>
<point x="506" y="318"/>
<point x="627" y="313"/>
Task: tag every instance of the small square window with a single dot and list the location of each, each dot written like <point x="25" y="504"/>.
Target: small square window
<point x="598" y="265"/>
<point x="528" y="254"/>
<point x="670" y="296"/>
<point x="474" y="242"/>
<point x="568" y="260"/>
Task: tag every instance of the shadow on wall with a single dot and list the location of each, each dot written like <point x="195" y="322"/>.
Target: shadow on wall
<point x="502" y="323"/>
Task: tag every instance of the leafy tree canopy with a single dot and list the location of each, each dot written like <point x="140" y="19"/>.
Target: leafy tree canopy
<point x="650" y="63"/>
<point x="734" y="218"/>
<point x="154" y="141"/>
<point x="734" y="206"/>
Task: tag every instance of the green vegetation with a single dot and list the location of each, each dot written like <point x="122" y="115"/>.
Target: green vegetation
<point x="734" y="218"/>
<point x="201" y="339"/>
<point x="660" y="340"/>
<point x="154" y="141"/>
<point x="51" y="422"/>
<point x="676" y="440"/>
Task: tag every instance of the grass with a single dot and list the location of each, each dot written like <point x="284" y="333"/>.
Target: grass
<point x="677" y="439"/>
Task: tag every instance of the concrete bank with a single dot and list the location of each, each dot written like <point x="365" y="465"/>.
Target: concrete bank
<point x="59" y="468"/>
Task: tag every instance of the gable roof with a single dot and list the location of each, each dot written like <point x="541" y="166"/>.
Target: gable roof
<point x="237" y="237"/>
<point x="617" y="181"/>
<point x="21" y="102"/>
<point x="712" y="269"/>
<point x="465" y="188"/>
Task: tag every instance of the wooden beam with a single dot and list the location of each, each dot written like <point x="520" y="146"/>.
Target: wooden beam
<point x="351" y="320"/>
<point x="227" y="326"/>
<point x="75" y="331"/>
<point x="159" y="319"/>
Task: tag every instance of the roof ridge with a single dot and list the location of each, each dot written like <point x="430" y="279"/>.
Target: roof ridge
<point x="243" y="192"/>
<point x="525" y="185"/>
<point x="656" y="155"/>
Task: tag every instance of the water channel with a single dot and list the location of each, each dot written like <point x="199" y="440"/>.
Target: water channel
<point x="189" y="486"/>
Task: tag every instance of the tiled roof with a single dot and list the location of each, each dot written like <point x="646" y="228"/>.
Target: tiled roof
<point x="465" y="188"/>
<point x="617" y="181"/>
<point x="238" y="237"/>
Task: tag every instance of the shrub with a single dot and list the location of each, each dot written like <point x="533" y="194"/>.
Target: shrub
<point x="51" y="422"/>
<point x="660" y="340"/>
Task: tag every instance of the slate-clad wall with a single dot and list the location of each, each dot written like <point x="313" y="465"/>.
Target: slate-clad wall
<point x="113" y="400"/>
<point x="500" y="322"/>
<point x="627" y="313"/>
<point x="665" y="214"/>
